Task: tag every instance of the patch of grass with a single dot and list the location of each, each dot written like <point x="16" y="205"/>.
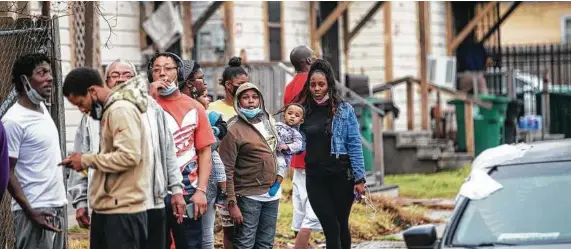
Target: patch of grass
<point x="78" y="244"/>
<point x="390" y="238"/>
<point x="367" y="222"/>
<point x="375" y="221"/>
<point x="439" y="185"/>
<point x="77" y="229"/>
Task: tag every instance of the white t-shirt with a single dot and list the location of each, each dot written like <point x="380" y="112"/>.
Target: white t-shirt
<point x="33" y="139"/>
<point x="265" y="197"/>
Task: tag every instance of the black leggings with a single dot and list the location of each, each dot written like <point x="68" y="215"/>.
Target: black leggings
<point x="331" y="197"/>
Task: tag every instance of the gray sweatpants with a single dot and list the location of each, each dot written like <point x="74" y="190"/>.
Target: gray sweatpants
<point x="28" y="236"/>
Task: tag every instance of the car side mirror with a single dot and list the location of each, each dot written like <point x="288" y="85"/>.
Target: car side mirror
<point x="420" y="237"/>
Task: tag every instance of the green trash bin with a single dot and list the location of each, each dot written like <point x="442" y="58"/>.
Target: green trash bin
<point x="366" y="123"/>
<point x="365" y="116"/>
<point x="488" y="123"/>
<point x="367" y="133"/>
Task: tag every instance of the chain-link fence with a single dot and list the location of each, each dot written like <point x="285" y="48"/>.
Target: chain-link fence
<point x="17" y="38"/>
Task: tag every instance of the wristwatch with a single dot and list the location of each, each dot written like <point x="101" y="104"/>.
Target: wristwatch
<point x="362" y="180"/>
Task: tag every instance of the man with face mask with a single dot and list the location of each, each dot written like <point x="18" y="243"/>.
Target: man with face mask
<point x="164" y="174"/>
<point x="187" y="120"/>
<point x="36" y="181"/>
<point x="119" y="182"/>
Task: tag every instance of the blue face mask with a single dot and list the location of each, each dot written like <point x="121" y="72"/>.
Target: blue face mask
<point x="33" y="95"/>
<point x="168" y="91"/>
<point x="250" y="113"/>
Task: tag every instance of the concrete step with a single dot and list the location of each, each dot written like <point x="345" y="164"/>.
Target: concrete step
<point x="431" y="149"/>
<point x="386" y="190"/>
<point x="371" y="180"/>
<point x="454" y="160"/>
<point x="409" y="139"/>
<point x="404" y="160"/>
<point x="428" y="152"/>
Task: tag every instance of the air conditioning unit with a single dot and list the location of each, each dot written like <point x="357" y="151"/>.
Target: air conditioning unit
<point x="442" y="71"/>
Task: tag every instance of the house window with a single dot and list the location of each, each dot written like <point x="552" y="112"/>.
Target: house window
<point x="566" y="29"/>
<point x="274" y="30"/>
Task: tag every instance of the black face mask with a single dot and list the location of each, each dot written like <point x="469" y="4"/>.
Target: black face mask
<point x="233" y="90"/>
<point x="96" y="109"/>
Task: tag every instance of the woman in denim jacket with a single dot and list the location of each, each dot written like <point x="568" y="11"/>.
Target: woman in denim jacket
<point x="335" y="170"/>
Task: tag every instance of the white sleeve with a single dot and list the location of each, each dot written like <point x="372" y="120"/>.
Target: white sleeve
<point x="15" y="134"/>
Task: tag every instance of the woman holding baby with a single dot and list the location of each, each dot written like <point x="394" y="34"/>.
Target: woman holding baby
<point x="335" y="170"/>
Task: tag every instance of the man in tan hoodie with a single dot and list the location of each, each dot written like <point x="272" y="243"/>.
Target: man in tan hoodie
<point x="117" y="193"/>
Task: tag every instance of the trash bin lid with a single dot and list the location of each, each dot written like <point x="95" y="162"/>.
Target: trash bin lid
<point x="494" y="98"/>
<point x="455" y="101"/>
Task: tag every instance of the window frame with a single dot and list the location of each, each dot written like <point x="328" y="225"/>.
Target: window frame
<point x="564" y="38"/>
<point x="268" y="25"/>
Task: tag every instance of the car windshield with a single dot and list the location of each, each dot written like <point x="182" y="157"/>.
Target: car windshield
<point x="527" y="210"/>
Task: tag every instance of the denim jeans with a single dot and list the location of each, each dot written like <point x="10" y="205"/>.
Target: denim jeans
<point x="187" y="235"/>
<point x="208" y="226"/>
<point x="259" y="226"/>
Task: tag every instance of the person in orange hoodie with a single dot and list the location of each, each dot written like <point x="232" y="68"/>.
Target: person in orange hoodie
<point x="304" y="219"/>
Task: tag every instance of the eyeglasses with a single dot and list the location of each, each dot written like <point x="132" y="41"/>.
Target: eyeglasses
<point x="116" y="76"/>
<point x="167" y="69"/>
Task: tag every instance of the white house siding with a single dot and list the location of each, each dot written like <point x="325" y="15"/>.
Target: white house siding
<point x="249" y="29"/>
<point x="122" y="42"/>
<point x="295" y="25"/>
<point x="438" y="38"/>
<point x="405" y="50"/>
<point x="119" y="32"/>
<point x="405" y="57"/>
<point x="366" y="50"/>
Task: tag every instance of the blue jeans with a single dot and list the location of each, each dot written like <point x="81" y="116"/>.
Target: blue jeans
<point x="259" y="226"/>
<point x="208" y="226"/>
<point x="187" y="235"/>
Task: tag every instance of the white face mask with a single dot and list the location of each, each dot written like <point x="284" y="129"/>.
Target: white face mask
<point x="33" y="95"/>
